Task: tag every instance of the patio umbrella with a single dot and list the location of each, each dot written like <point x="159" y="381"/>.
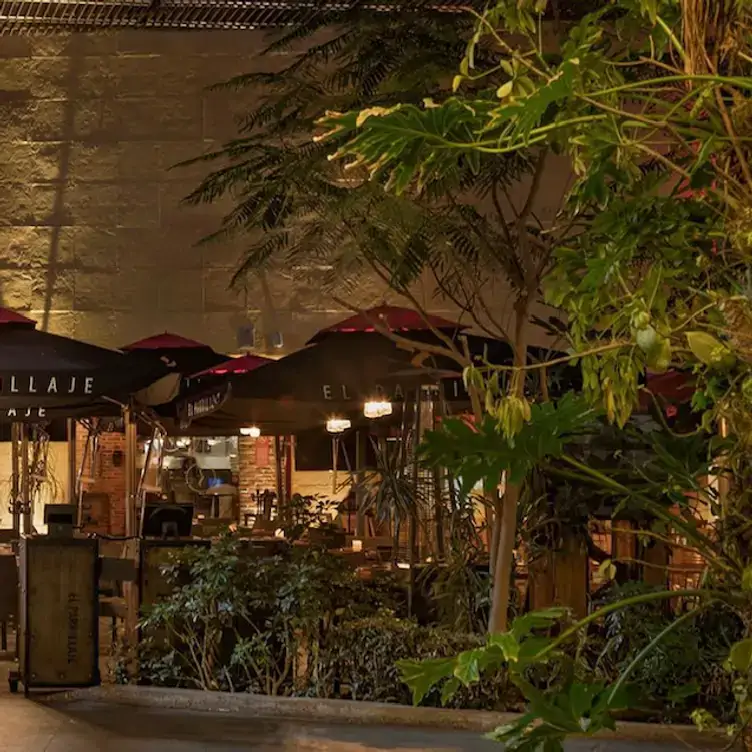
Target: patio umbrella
<point x="179" y="355"/>
<point x="44" y="376"/>
<point x="234" y="366"/>
<point x="305" y="388"/>
<point x="342" y="367"/>
<point x="402" y="321"/>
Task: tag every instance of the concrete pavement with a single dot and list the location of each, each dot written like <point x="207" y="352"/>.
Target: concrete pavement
<point x="84" y="726"/>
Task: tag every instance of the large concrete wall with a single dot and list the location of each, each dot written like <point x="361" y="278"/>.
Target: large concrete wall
<point x="93" y="240"/>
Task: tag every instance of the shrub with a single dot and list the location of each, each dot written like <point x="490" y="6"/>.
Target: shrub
<point x="358" y="661"/>
<point x="241" y="623"/>
<point x="683" y="671"/>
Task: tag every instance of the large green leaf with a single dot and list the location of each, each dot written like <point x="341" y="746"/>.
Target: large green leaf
<point x="475" y="453"/>
<point x="422" y="676"/>
<point x="740" y="656"/>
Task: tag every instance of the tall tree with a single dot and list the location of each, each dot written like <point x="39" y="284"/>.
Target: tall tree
<point x="650" y="103"/>
<point x="468" y="226"/>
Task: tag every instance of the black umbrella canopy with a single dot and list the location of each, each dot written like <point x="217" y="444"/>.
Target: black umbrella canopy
<point x="306" y="388"/>
<point x="45" y="376"/>
<point x="179" y="356"/>
<point x="177" y="353"/>
<point x="335" y="376"/>
<point x="404" y="322"/>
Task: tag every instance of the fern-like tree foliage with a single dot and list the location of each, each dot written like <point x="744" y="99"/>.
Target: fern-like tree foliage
<point x="471" y="230"/>
<point x="299" y="210"/>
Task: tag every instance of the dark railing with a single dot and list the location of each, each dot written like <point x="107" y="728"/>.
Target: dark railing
<point x="49" y="16"/>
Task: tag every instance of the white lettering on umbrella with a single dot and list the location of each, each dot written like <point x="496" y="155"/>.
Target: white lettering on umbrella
<point x="52" y="386"/>
<point x="88" y="385"/>
<point x="13" y="386"/>
<point x="32" y="385"/>
<point x="29" y="412"/>
<point x="327" y="391"/>
<point x="72" y="385"/>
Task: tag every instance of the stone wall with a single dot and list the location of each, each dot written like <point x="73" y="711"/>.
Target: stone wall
<point x="94" y="242"/>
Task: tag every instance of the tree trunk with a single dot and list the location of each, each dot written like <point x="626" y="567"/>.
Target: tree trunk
<point x="507" y="521"/>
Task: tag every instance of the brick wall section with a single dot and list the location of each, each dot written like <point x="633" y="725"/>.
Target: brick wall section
<point x="104" y="477"/>
<point x="255" y="474"/>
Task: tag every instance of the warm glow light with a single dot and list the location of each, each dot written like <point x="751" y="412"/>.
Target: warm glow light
<point x="403" y="565"/>
<point x="357" y="545"/>
<point x="338" y="425"/>
<point x="377" y="408"/>
<point x="279" y="533"/>
<point x="253" y="431"/>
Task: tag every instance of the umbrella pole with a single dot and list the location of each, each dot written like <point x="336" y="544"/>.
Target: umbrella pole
<point x="25" y="479"/>
<point x="130" y="474"/>
<point x="360" y="462"/>
<point x="15" y="490"/>
<point x="72" y="495"/>
<point x="140" y="493"/>
<point x="335" y="452"/>
<point x="80" y="479"/>
<point x="279" y="479"/>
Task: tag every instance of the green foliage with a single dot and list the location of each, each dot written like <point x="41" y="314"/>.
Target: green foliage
<point x="298" y="209"/>
<point x="683" y="671"/>
<point x="654" y="272"/>
<point x="304" y="512"/>
<point x="484" y="452"/>
<point x="235" y="621"/>
<point x="572" y="706"/>
<point x="358" y="661"/>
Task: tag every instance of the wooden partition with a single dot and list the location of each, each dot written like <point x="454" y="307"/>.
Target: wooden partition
<point x="58" y="620"/>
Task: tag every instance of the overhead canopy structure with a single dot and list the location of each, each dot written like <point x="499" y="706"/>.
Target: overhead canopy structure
<point x="43" y="375"/>
<point x="301" y="390"/>
<point x="39" y="16"/>
<point x="86" y="15"/>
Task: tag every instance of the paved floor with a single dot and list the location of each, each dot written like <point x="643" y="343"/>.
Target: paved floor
<point x="29" y="726"/>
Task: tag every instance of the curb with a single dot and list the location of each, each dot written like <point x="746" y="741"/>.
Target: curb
<point x="357" y="713"/>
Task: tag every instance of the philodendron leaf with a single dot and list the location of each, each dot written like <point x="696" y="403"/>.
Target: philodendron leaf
<point x="747" y="579"/>
<point x="705" y="347"/>
<point x="467" y="666"/>
<point x="421" y="676"/>
<point x="449" y="689"/>
<point x="682" y="692"/>
<point x="508" y="644"/>
<point x="740" y="656"/>
<point x="542" y="619"/>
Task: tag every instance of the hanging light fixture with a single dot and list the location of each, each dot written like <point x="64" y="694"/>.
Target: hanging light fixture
<point x="377" y="409"/>
<point x="253" y="431"/>
<point x="338" y="425"/>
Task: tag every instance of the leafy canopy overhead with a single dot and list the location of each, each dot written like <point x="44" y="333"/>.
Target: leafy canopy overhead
<point x="655" y="123"/>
